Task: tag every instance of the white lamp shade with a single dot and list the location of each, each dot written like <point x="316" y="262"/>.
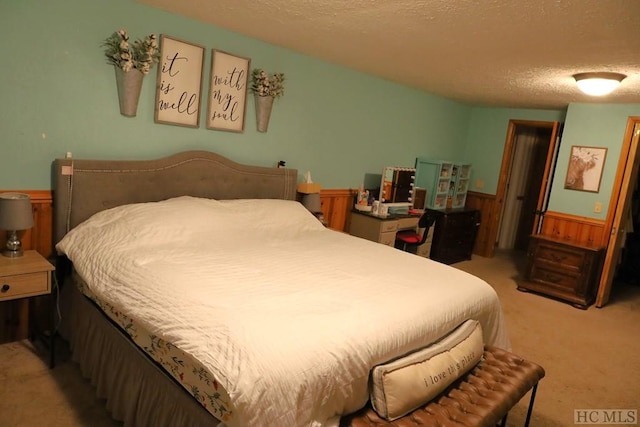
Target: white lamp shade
<point x="15" y="211"/>
<point x="598" y="84"/>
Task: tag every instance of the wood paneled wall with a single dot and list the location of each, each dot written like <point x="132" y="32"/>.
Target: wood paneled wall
<point x="489" y="221"/>
<point x="336" y="205"/>
<point x="571" y="228"/>
<point x="575" y="228"/>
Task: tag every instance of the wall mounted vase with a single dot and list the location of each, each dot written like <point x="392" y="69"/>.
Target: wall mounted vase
<point x="263" y="111"/>
<point x="129" y="86"/>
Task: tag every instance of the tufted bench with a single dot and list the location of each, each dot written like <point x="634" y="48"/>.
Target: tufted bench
<point x="481" y="397"/>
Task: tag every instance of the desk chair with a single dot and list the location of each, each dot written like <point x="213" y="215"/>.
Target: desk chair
<point x="411" y="239"/>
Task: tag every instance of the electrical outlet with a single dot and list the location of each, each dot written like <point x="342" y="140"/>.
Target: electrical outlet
<point x="598" y="207"/>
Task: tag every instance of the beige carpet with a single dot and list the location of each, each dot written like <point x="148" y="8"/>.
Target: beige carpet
<point x="591" y="358"/>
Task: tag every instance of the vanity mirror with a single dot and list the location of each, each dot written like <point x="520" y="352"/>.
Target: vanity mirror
<point x="396" y="186"/>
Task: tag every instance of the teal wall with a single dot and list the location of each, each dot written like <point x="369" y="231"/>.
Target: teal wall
<point x="593" y="125"/>
<point x="59" y="95"/>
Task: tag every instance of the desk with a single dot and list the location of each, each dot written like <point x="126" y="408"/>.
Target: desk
<point x="380" y="229"/>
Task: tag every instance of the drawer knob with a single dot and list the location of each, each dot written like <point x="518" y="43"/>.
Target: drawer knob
<point x="6" y="287"/>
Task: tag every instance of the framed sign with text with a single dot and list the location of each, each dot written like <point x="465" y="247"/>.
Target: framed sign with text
<point x="179" y="83"/>
<point x="227" y="91"/>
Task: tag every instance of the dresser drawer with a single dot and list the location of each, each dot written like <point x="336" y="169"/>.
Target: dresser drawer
<point x="562" y="269"/>
<point x="462" y="220"/>
<point x="566" y="257"/>
<point x="554" y="277"/>
<point x="24" y="285"/>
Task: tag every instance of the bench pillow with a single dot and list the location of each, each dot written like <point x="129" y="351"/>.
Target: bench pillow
<point x="404" y="384"/>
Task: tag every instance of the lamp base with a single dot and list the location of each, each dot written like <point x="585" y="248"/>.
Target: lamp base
<point x="14" y="245"/>
<point x="13" y="254"/>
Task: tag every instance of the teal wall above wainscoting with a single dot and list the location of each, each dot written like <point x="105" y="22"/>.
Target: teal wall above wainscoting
<point x="591" y="125"/>
<point x="59" y="95"/>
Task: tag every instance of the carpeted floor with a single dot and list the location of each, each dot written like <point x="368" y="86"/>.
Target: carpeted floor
<point x="590" y="357"/>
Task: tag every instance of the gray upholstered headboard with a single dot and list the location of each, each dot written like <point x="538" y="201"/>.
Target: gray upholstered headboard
<point x="84" y="187"/>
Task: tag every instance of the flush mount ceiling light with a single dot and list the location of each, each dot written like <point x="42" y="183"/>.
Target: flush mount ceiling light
<point x="598" y="84"/>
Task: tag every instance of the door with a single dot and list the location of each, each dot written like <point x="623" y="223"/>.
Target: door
<point x="539" y="188"/>
<point x="547" y="178"/>
<point x="537" y="185"/>
<point x="620" y="203"/>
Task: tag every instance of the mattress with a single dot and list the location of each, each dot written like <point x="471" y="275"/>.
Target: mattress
<point x="284" y="316"/>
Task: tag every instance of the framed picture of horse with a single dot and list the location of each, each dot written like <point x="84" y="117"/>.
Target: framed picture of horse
<point x="585" y="168"/>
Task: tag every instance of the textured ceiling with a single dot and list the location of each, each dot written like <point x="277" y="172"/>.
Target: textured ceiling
<point x="499" y="53"/>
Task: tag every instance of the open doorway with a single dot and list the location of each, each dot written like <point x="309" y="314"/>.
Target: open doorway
<point x="525" y="181"/>
<point x="526" y="174"/>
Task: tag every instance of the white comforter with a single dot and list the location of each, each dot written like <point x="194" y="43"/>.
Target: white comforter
<point x="287" y="315"/>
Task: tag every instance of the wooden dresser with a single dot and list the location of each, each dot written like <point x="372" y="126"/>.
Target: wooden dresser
<point x="454" y="234"/>
<point x="566" y="270"/>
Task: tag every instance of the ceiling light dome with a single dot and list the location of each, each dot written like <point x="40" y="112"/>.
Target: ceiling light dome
<point x="598" y="84"/>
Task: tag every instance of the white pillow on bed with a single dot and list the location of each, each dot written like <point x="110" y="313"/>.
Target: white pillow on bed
<point x="274" y="214"/>
<point x="187" y="219"/>
<point x="404" y="384"/>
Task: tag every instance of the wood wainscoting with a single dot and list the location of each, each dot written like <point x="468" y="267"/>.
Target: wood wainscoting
<point x="570" y="228"/>
<point x="489" y="221"/>
<point x="336" y="205"/>
<point x="575" y="229"/>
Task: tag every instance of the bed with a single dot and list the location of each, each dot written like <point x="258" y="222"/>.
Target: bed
<point x="202" y="293"/>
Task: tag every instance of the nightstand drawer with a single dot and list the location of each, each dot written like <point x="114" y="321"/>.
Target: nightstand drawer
<point x="563" y="269"/>
<point x="556" y="277"/>
<point x="566" y="257"/>
<point x="24" y="285"/>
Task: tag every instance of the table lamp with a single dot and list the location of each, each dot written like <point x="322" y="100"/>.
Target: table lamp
<point x="311" y="201"/>
<point x="15" y="215"/>
<point x="311" y="196"/>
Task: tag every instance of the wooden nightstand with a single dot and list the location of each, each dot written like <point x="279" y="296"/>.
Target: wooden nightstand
<point x="562" y="269"/>
<point x="21" y="279"/>
<point x="24" y="277"/>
